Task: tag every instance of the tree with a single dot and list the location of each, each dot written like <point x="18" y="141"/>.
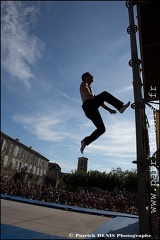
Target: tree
<point x="124" y="180"/>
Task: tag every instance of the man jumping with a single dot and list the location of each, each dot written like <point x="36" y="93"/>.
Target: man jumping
<point x="90" y="105"/>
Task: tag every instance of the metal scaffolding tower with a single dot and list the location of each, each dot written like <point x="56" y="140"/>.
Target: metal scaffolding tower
<point x="142" y="139"/>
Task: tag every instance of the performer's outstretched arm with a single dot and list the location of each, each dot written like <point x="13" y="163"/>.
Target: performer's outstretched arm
<point x="112" y="111"/>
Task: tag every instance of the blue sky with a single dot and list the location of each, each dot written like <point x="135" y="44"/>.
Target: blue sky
<point x="46" y="47"/>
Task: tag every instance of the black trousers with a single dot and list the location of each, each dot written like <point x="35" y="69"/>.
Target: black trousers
<point x="90" y="108"/>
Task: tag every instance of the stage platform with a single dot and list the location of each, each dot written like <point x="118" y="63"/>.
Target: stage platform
<point x="31" y="219"/>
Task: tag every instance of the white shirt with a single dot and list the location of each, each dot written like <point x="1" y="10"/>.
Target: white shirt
<point x="86" y="91"/>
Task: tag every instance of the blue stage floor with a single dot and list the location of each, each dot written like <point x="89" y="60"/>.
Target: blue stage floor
<point x="64" y="222"/>
<point x="12" y="232"/>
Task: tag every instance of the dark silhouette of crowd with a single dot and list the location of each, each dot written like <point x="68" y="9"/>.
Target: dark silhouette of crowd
<point x="115" y="200"/>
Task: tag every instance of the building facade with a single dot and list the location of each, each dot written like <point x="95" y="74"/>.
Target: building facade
<point x="21" y="162"/>
<point x="54" y="174"/>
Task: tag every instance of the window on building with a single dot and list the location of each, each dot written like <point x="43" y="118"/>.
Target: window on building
<point x="36" y="160"/>
<point x="5" y="161"/>
<point x="18" y="166"/>
<point x="8" y="149"/>
<point x="39" y="160"/>
<point x="26" y="156"/>
<point x="34" y="170"/>
<point x="13" y="162"/>
<point x="41" y="172"/>
<point x="15" y="151"/>
<point x="31" y="170"/>
<point x="3" y="142"/>
<point x="37" y="172"/>
<point x="31" y="158"/>
<point x="22" y="154"/>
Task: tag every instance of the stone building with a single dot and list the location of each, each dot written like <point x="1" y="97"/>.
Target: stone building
<point x="82" y="164"/>
<point x="53" y="174"/>
<point x="21" y="162"/>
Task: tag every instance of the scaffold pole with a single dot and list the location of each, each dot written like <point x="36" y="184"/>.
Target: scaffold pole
<point x="139" y="114"/>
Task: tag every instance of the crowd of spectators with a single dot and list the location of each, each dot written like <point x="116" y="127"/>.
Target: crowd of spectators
<point x="115" y="200"/>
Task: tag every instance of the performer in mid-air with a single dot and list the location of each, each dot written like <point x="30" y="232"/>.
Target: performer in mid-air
<point x="90" y="105"/>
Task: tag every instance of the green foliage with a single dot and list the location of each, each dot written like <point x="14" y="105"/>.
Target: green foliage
<point x="126" y="180"/>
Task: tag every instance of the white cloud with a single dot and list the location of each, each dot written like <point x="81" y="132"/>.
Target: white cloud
<point x="68" y="97"/>
<point x="117" y="141"/>
<point x="50" y="123"/>
<point x="46" y="128"/>
<point x="20" y="48"/>
<point x="124" y="89"/>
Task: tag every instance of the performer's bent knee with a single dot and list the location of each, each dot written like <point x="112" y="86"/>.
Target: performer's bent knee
<point x="102" y="130"/>
<point x="105" y="92"/>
